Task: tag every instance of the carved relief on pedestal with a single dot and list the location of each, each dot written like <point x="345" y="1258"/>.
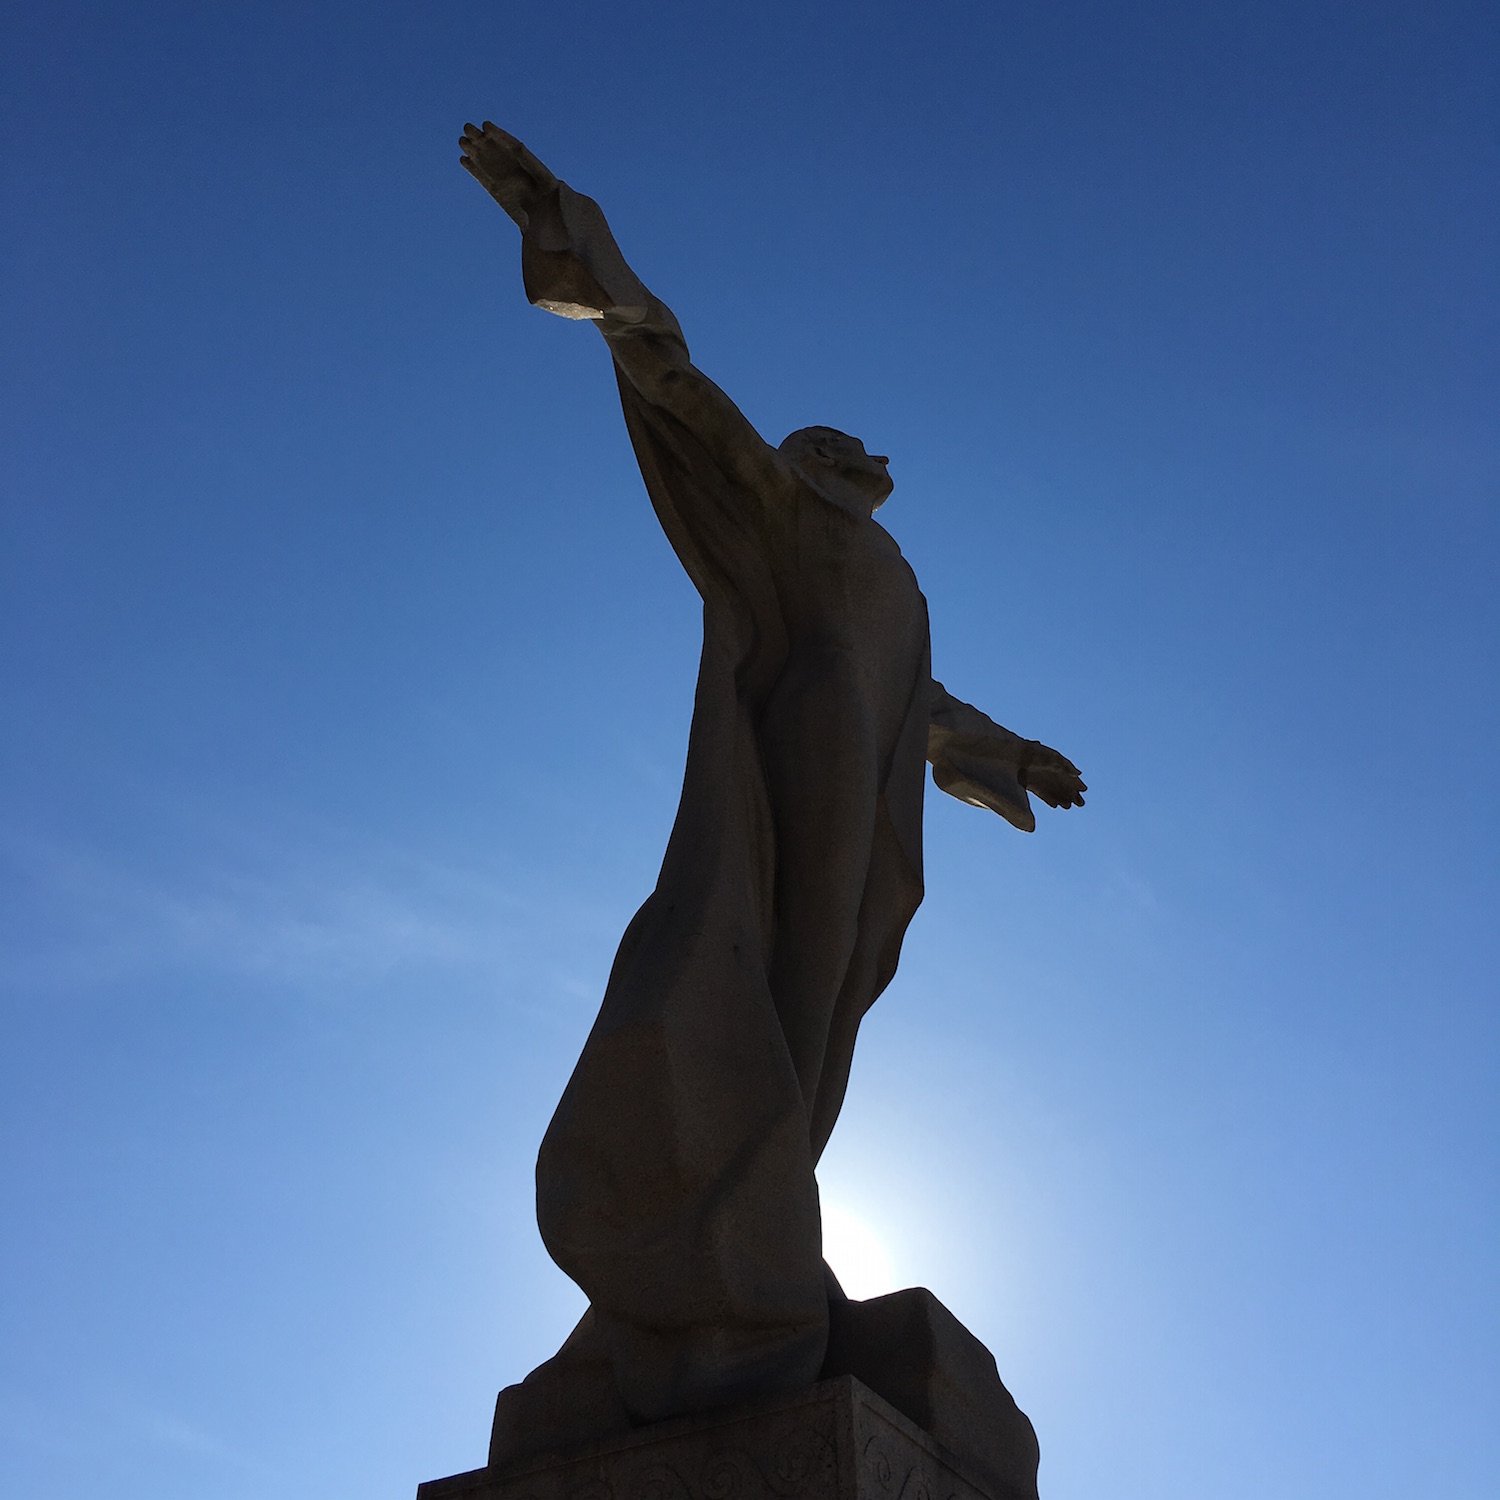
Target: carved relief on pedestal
<point x="839" y="1441"/>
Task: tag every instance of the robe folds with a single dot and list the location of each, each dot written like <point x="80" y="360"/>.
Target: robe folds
<point x="675" y="1183"/>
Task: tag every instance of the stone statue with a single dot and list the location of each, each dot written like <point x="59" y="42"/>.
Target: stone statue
<point x="675" y="1183"/>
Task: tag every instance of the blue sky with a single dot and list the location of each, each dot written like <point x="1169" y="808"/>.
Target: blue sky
<point x="346" y="681"/>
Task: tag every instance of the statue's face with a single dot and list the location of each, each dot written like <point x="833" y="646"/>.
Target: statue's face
<point x="837" y="466"/>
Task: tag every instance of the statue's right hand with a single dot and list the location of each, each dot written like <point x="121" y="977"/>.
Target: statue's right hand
<point x="506" y="170"/>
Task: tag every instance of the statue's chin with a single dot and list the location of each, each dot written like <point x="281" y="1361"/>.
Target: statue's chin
<point x="845" y="497"/>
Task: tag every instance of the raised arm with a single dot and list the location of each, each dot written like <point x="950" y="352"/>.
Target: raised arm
<point x="571" y="266"/>
<point x="979" y="762"/>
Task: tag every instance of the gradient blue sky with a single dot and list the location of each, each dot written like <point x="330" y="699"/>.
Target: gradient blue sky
<point x="346" y="681"/>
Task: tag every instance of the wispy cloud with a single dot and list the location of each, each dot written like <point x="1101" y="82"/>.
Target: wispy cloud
<point x="167" y="1431"/>
<point x="293" y="916"/>
<point x="92" y="1428"/>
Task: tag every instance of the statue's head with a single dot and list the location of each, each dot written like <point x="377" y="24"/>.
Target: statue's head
<point x="838" y="468"/>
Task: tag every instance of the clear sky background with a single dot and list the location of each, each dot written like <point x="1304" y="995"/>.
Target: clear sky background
<point x="346" y="681"/>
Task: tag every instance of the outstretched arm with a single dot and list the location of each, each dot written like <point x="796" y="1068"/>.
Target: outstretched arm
<point x="571" y="266"/>
<point x="979" y="762"/>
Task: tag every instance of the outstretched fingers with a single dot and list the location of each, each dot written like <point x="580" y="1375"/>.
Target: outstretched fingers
<point x="470" y="145"/>
<point x="1050" y="775"/>
<point x="503" y="152"/>
<point x="1056" y="790"/>
<point x="506" y="170"/>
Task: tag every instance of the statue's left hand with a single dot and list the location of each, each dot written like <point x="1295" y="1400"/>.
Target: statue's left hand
<point x="1052" y="777"/>
<point x="506" y="170"/>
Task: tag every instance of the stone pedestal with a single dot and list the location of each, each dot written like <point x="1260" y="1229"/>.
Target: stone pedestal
<point x="837" y="1441"/>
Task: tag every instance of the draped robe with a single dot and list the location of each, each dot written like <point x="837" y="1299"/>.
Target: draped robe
<point x="675" y="1182"/>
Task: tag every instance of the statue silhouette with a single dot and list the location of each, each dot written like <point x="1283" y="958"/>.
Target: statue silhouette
<point x="675" y="1183"/>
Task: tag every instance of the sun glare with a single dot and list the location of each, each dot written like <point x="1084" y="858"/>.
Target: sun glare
<point x="857" y="1254"/>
